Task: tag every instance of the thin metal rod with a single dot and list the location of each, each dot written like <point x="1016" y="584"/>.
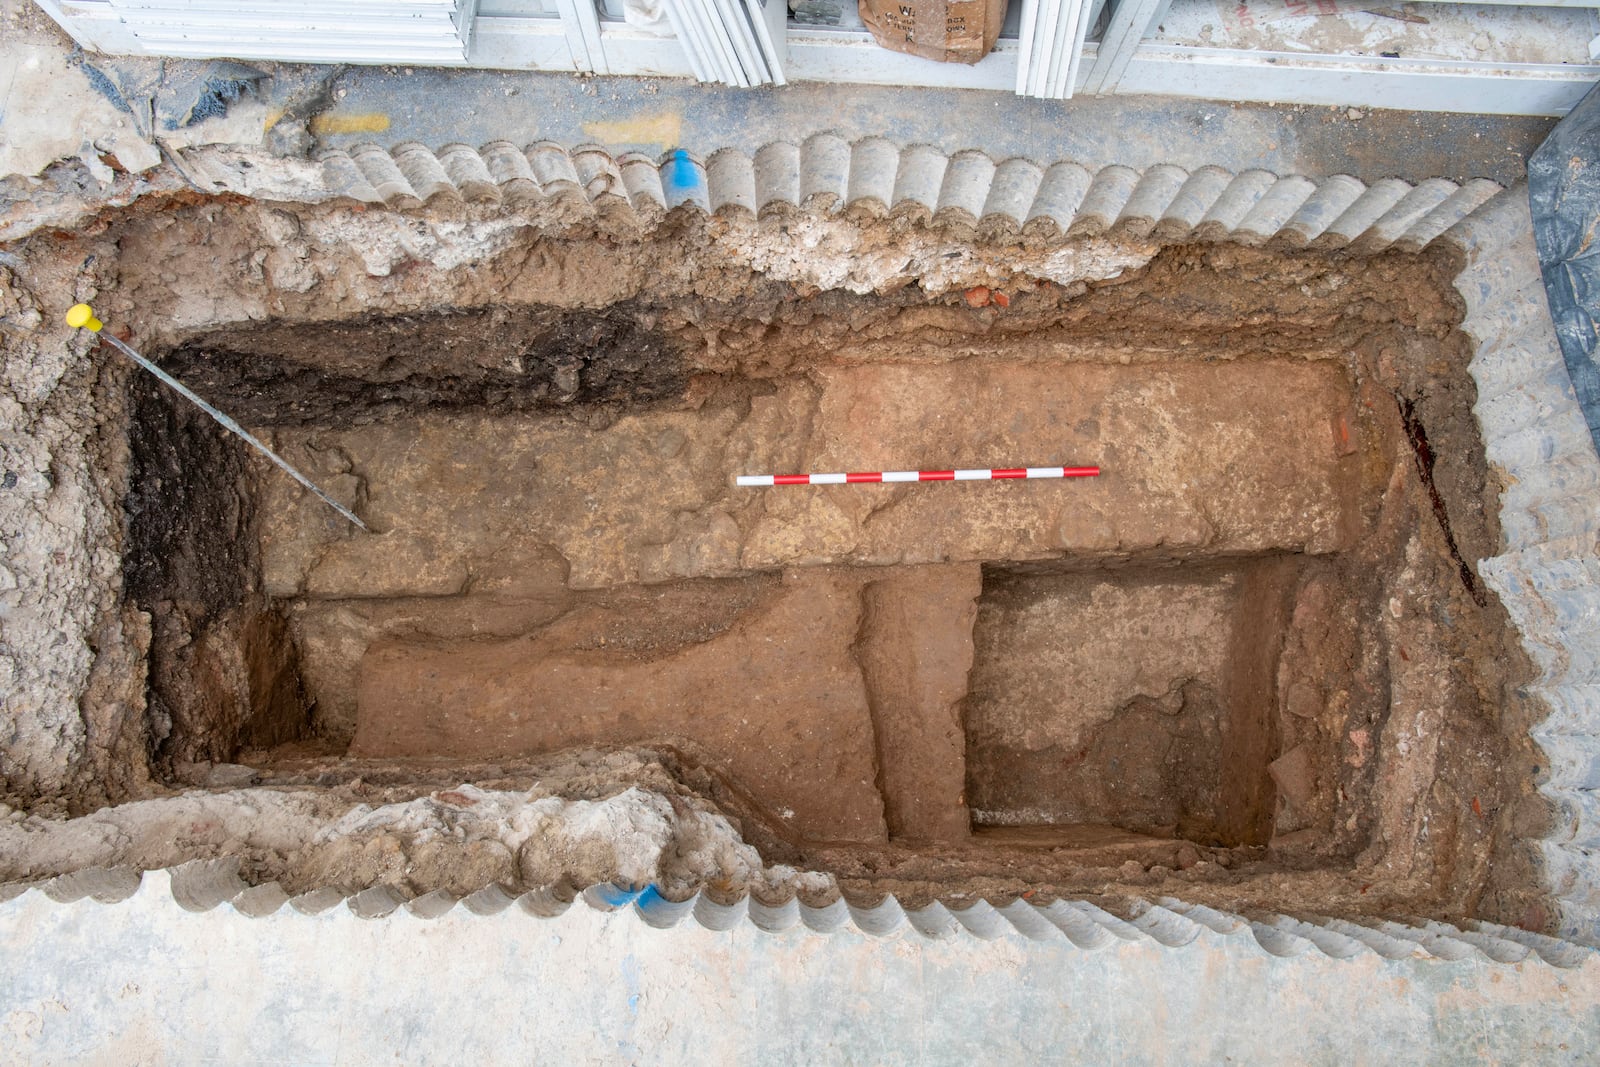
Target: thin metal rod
<point x="232" y="426"/>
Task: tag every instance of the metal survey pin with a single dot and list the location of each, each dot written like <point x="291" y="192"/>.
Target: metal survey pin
<point x="81" y="317"/>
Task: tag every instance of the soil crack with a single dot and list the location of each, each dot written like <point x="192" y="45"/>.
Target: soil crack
<point x="1417" y="434"/>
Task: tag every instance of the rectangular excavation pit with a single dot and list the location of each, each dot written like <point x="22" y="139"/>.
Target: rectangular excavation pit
<point x="1195" y="654"/>
<point x="539" y="581"/>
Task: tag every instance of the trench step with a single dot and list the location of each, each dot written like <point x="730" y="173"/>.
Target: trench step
<point x="968" y="193"/>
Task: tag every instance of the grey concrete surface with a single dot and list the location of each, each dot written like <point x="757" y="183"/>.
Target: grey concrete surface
<point x="441" y="107"/>
<point x="145" y="981"/>
<point x="350" y="106"/>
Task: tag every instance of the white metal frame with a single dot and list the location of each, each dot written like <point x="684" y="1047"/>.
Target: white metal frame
<point x="735" y="42"/>
<point x="1127" y="60"/>
<point x="1131" y="22"/>
<point x="435" y="32"/>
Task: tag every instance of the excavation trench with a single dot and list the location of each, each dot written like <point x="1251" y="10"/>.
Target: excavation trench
<point x="1219" y="656"/>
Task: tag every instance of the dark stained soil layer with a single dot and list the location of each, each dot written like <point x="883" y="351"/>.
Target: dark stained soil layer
<point x="486" y="361"/>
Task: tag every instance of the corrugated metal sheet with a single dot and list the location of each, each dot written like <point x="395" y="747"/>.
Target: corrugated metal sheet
<point x="965" y="191"/>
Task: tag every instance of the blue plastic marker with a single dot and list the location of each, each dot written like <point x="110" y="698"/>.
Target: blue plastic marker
<point x="681" y="173"/>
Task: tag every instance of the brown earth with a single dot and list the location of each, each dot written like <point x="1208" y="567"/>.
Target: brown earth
<point x="1136" y="698"/>
<point x="915" y="648"/>
<point x="522" y="514"/>
<point x="776" y="695"/>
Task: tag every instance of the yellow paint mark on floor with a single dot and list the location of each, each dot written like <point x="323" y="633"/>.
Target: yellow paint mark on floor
<point x="361" y="122"/>
<point x="663" y="130"/>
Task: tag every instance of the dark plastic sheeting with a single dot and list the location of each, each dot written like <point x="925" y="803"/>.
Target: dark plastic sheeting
<point x="1564" y="189"/>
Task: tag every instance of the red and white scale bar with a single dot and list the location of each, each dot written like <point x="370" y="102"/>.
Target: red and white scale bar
<point x="984" y="474"/>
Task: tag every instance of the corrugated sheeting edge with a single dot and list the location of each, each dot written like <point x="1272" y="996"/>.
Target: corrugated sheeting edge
<point x="968" y="192"/>
<point x="207" y="884"/>
<point x="1548" y="575"/>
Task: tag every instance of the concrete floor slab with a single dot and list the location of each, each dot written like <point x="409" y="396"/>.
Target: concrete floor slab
<point x="145" y="981"/>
